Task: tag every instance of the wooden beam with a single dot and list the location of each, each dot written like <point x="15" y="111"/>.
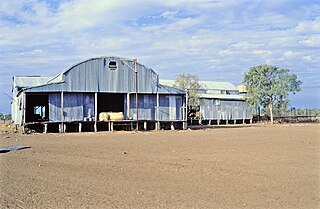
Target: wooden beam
<point x="95" y="111"/>
<point x="24" y="108"/>
<point x="128" y="106"/>
<point x="158" y="113"/>
<point x="62" y="116"/>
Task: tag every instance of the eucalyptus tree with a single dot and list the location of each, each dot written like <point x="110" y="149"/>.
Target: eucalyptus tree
<point x="191" y="84"/>
<point x="269" y="86"/>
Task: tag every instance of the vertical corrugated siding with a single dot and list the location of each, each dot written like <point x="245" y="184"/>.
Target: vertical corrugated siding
<point x="88" y="105"/>
<point x="95" y="76"/>
<point x="213" y="109"/>
<point x="146" y="107"/>
<point x="170" y="107"/>
<point x="55" y="107"/>
<point x="17" y="109"/>
<point x="76" y="106"/>
<point x="72" y="107"/>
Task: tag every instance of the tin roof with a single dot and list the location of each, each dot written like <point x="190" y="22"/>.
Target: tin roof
<point x="28" y="81"/>
<point x="93" y="75"/>
<point x="206" y="85"/>
<point x="222" y="96"/>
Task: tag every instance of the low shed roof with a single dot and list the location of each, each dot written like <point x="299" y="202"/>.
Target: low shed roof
<point x="222" y="96"/>
<point x="206" y="85"/>
<point x="28" y="81"/>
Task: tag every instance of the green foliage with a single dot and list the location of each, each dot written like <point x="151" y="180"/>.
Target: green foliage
<point x="269" y="86"/>
<point x="191" y="84"/>
<point x="297" y="112"/>
<point x="3" y="116"/>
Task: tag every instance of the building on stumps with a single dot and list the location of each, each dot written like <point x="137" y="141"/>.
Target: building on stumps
<point x="127" y="92"/>
<point x="220" y="103"/>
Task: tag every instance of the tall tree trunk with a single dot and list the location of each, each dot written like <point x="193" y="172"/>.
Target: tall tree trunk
<point x="271" y="111"/>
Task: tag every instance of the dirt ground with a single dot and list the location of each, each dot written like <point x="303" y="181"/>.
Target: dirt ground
<point x="258" y="166"/>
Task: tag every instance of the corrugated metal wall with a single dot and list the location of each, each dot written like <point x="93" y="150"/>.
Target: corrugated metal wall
<point x="146" y="107"/>
<point x="76" y="106"/>
<point x="81" y="81"/>
<point x="170" y="107"/>
<point x="17" y="108"/>
<point x="55" y="107"/>
<point x="215" y="109"/>
<point x="95" y="76"/>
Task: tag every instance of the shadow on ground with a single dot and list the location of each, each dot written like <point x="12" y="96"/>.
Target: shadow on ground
<point x="200" y="127"/>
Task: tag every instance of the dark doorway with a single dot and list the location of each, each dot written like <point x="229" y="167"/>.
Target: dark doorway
<point x="110" y="102"/>
<point x="37" y="107"/>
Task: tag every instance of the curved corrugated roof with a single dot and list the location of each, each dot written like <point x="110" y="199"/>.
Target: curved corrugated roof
<point x="59" y="77"/>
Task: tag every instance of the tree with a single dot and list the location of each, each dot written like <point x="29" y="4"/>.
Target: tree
<point x="269" y="86"/>
<point x="189" y="83"/>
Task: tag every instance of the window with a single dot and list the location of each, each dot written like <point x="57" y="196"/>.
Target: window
<point x="39" y="111"/>
<point x="113" y="65"/>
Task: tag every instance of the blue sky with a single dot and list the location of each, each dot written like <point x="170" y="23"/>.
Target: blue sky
<point x="216" y="40"/>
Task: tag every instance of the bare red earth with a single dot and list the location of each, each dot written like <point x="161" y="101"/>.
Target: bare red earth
<point x="224" y="167"/>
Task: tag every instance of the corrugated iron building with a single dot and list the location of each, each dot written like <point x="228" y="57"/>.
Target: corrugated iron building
<point x="104" y="84"/>
<point x="220" y="102"/>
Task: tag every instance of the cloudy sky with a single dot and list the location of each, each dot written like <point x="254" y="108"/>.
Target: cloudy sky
<point x="216" y="40"/>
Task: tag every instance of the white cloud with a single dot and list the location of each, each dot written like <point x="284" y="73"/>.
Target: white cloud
<point x="312" y="40"/>
<point x="218" y="40"/>
<point x="308" y="26"/>
<point x="309" y="58"/>
<point x="289" y="54"/>
<point x="262" y="52"/>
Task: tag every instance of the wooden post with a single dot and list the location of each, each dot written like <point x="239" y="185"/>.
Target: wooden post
<point x="62" y="116"/>
<point x="128" y="106"/>
<point x="80" y="127"/>
<point x="218" y="122"/>
<point x="186" y="113"/>
<point x="137" y="103"/>
<point x="183" y="112"/>
<point x="156" y="126"/>
<point x="184" y="125"/>
<point x="158" y="113"/>
<point x="95" y="111"/>
<point x="145" y="125"/>
<point x="24" y="108"/>
<point x="235" y="122"/>
<point x="172" y="126"/>
<point x="243" y="121"/>
<point x="45" y="128"/>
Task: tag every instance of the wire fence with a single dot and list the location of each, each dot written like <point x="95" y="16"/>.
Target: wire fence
<point x="5" y="119"/>
<point x="289" y="116"/>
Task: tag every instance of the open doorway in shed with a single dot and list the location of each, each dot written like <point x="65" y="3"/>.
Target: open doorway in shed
<point x="110" y="102"/>
<point x="37" y="107"/>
